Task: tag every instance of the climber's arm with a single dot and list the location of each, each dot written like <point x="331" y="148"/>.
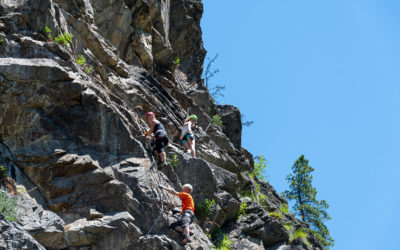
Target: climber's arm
<point x="171" y="191"/>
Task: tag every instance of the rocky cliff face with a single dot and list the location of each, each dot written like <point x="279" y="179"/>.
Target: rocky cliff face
<point x="71" y="134"/>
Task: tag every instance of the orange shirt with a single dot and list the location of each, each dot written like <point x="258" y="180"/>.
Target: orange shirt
<point x="187" y="201"/>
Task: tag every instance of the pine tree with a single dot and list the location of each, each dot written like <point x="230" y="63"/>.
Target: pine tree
<point x="306" y="204"/>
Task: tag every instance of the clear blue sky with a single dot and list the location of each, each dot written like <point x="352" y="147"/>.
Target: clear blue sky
<point x="319" y="78"/>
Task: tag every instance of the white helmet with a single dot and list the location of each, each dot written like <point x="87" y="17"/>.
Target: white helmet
<point x="188" y="186"/>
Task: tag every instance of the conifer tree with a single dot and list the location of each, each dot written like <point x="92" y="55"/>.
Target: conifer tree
<point x="306" y="204"/>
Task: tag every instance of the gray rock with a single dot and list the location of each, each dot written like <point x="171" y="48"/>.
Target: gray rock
<point x="13" y="237"/>
<point x="232" y="123"/>
<point x="274" y="232"/>
<point x="37" y="69"/>
<point x="93" y="214"/>
<point x="185" y="36"/>
<point x="113" y="231"/>
<point x="44" y="225"/>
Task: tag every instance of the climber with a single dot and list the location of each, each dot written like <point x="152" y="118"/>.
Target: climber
<point x="160" y="138"/>
<point x="182" y="225"/>
<point x="187" y="136"/>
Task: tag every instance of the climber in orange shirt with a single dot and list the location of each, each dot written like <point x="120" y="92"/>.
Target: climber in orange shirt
<point x="187" y="210"/>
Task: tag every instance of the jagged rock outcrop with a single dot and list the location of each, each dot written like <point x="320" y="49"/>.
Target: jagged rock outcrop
<point x="231" y="123"/>
<point x="12" y="236"/>
<point x="71" y="131"/>
<point x="44" y="225"/>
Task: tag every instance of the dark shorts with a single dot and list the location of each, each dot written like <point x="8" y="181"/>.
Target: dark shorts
<point x="186" y="137"/>
<point x="185" y="221"/>
<point x="161" y="140"/>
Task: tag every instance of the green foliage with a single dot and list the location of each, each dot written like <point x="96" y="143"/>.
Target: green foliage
<point x="288" y="226"/>
<point x="242" y="209"/>
<point x="81" y="60"/>
<point x="257" y="197"/>
<point x="1" y="41"/>
<point x="89" y="69"/>
<point x="8" y="206"/>
<point x="276" y="215"/>
<point x="324" y="242"/>
<point x="64" y="39"/>
<point x="258" y="187"/>
<point x="177" y="60"/>
<point x="299" y="233"/>
<point x="259" y="167"/>
<point x="302" y="235"/>
<point x="220" y="240"/>
<point x="47" y="32"/>
<point x="173" y="161"/>
<point x="226" y="243"/>
<point x="3" y="172"/>
<point x="306" y="204"/>
<point x="284" y="209"/>
<point x="204" y="208"/>
<point x="216" y="119"/>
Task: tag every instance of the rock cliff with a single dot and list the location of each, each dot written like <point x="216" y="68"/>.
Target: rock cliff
<point x="76" y="79"/>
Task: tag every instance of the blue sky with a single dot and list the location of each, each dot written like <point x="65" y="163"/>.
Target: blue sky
<point x="319" y="78"/>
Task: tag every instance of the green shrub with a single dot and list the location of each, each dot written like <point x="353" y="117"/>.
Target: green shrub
<point x="302" y="235"/>
<point x="284" y="209"/>
<point x="174" y="161"/>
<point x="260" y="164"/>
<point x="288" y="226"/>
<point x="177" y="60"/>
<point x="216" y="119"/>
<point x="3" y="172"/>
<point x="220" y="240"/>
<point x="1" y="41"/>
<point x="258" y="187"/>
<point x="257" y="197"/>
<point x="81" y="60"/>
<point x="47" y="32"/>
<point x="8" y="206"/>
<point x="275" y="215"/>
<point x="64" y="39"/>
<point x="203" y="208"/>
<point x="242" y="209"/>
<point x="89" y="69"/>
<point x="225" y="244"/>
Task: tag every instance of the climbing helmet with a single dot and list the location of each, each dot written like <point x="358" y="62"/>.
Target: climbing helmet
<point x="193" y="117"/>
<point x="149" y="114"/>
